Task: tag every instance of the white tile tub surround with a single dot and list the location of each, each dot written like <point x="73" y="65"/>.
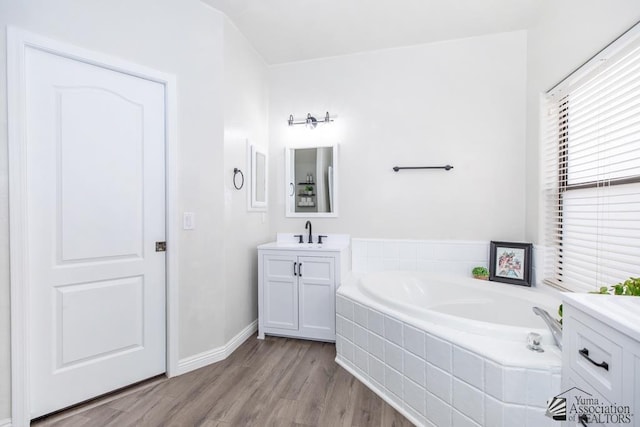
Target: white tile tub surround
<point x="439" y="256"/>
<point x="436" y="382"/>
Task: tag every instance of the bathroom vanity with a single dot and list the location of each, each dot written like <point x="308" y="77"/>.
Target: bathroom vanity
<point x="601" y="358"/>
<point x="297" y="284"/>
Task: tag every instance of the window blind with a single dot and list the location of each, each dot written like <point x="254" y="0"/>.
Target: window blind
<point x="592" y="171"/>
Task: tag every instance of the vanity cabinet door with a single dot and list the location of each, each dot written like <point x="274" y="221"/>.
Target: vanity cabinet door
<point x="280" y="287"/>
<point x="317" y="297"/>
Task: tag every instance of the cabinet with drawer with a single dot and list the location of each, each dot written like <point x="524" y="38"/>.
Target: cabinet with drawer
<point x="601" y="360"/>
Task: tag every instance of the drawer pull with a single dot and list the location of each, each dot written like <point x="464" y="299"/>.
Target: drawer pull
<point x="585" y="353"/>
<point x="300" y="269"/>
<point x="294" y="268"/>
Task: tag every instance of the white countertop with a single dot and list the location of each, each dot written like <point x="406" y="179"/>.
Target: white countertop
<point x="617" y="311"/>
<point x="288" y="241"/>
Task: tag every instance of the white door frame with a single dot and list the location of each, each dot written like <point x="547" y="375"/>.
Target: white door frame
<point x="17" y="42"/>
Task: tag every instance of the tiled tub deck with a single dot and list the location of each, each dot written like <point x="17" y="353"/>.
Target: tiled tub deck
<point x="434" y="380"/>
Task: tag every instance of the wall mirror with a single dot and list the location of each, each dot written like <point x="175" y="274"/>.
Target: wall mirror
<point x="311" y="181"/>
<point x="258" y="181"/>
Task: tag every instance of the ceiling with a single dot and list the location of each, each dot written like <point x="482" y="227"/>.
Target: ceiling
<point x="294" y="30"/>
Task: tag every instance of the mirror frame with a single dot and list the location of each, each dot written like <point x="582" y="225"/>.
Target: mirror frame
<point x="288" y="184"/>
<point x="253" y="204"/>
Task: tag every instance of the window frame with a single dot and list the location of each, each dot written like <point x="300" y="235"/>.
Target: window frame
<point x="559" y="99"/>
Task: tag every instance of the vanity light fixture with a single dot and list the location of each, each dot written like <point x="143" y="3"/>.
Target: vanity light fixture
<point x="310" y="121"/>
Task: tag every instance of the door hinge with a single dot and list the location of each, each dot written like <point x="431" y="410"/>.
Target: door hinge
<point x="161" y="246"/>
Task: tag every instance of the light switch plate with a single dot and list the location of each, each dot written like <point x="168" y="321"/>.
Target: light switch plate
<point x="189" y="221"/>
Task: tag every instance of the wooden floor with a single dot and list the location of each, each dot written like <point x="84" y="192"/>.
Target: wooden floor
<point x="275" y="382"/>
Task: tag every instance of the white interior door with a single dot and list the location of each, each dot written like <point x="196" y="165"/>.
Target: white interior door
<point x="95" y="150"/>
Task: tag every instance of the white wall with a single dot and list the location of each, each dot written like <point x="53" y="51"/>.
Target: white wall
<point x="246" y="109"/>
<point x="182" y="37"/>
<point x="568" y="34"/>
<point x="460" y="102"/>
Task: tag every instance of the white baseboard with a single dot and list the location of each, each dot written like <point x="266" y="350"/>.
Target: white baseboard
<point x="205" y="358"/>
<point x="5" y="423"/>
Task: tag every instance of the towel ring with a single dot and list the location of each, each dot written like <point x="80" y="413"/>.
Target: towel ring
<point x="235" y="172"/>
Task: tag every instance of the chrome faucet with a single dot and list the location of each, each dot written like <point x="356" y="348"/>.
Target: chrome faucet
<point x="554" y="326"/>
<point x="308" y="225"/>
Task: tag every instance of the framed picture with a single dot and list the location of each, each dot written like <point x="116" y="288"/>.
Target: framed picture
<point x="510" y="262"/>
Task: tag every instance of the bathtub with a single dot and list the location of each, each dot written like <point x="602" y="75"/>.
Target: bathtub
<point x="447" y="350"/>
